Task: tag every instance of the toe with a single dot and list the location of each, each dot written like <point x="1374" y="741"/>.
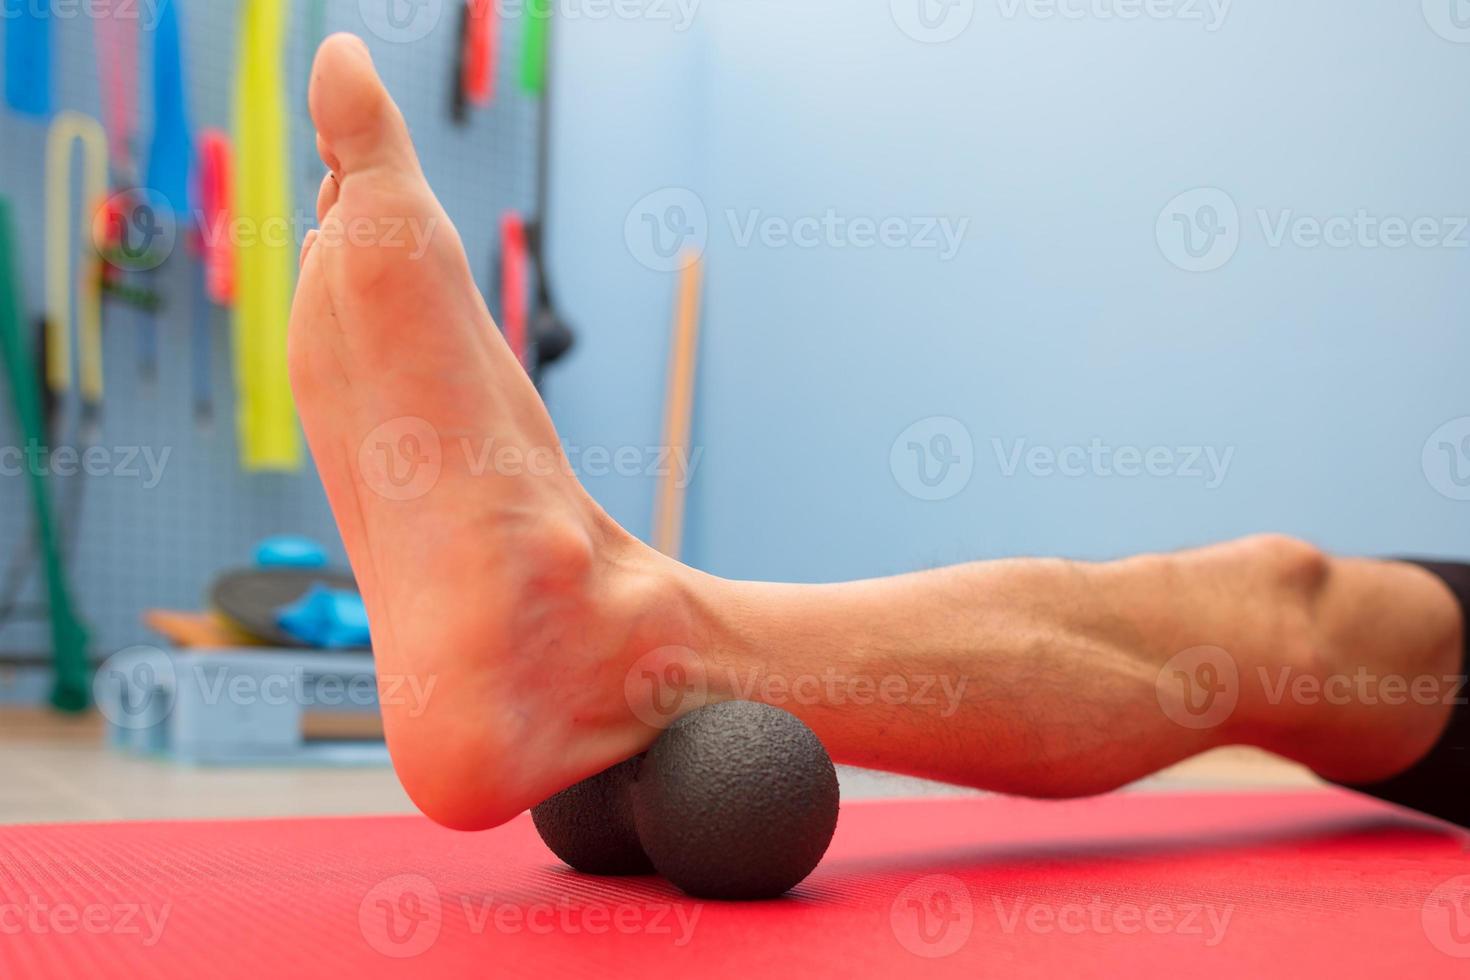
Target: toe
<point x="357" y="123"/>
<point x="311" y="237"/>
<point x="326" y="197"/>
<point x="328" y="157"/>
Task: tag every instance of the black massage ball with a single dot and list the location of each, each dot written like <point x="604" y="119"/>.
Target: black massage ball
<point x="590" y="825"/>
<point x="736" y="801"/>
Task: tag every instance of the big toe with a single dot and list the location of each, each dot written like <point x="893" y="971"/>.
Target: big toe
<point x="358" y="125"/>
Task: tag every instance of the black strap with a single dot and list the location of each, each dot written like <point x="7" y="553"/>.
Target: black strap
<point x="1439" y="784"/>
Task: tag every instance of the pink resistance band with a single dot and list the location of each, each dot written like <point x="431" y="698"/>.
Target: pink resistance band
<point x="117" y="57"/>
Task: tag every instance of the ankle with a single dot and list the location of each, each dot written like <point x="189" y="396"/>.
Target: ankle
<point x="1363" y="682"/>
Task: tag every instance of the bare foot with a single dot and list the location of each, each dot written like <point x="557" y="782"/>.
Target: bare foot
<point x="512" y="593"/>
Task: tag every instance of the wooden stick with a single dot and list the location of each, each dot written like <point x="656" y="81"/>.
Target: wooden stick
<point x="668" y="511"/>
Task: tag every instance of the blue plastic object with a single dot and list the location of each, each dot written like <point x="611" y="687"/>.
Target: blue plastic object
<point x="290" y="551"/>
<point x="28" y="58"/>
<point x="329" y="619"/>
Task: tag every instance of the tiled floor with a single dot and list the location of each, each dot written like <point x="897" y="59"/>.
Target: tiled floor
<point x="58" y="770"/>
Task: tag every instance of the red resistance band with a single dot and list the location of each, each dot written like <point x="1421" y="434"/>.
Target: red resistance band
<point x="513" y="283"/>
<point x="479" y="53"/>
<point x="214" y="193"/>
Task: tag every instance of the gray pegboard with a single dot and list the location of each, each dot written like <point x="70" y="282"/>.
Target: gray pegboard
<point x="139" y="545"/>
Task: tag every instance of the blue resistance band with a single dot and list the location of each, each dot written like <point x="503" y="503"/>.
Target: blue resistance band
<point x="28" y="57"/>
<point x="171" y="153"/>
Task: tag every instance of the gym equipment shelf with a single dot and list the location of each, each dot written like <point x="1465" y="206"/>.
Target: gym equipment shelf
<point x="238" y="707"/>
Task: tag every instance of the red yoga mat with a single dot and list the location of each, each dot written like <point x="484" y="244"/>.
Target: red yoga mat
<point x="1135" y="885"/>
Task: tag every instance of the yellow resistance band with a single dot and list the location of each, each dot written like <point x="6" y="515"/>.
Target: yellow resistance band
<point x="70" y="128"/>
<point x="265" y="263"/>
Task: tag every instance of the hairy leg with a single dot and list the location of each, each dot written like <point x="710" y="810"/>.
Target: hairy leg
<point x="1055" y="678"/>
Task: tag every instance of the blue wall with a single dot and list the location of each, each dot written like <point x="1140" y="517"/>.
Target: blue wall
<point x="1061" y="319"/>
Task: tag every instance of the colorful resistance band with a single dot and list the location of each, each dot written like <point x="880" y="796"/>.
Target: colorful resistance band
<point x="533" y="45"/>
<point x="214" y="280"/>
<point x="514" y="283"/>
<point x="212" y="200"/>
<point x="480" y="40"/>
<point x="71" y="686"/>
<point x="27" y="62"/>
<point x="117" y="61"/>
<point x="70" y="128"/>
<point x="171" y="152"/>
<point x="265" y="259"/>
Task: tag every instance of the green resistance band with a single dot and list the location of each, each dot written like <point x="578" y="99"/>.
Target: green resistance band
<point x="533" y="45"/>
<point x="71" y="689"/>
